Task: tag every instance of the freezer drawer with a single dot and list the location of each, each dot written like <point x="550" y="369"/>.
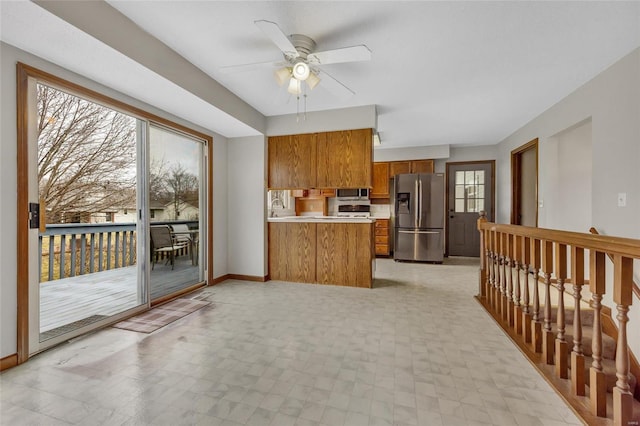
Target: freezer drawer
<point x="426" y="245"/>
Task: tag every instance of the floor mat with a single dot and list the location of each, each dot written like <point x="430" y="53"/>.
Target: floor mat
<point x="162" y="315"/>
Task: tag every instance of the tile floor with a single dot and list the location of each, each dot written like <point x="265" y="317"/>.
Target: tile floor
<point x="415" y="350"/>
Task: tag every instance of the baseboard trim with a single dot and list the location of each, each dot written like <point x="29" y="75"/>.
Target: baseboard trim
<point x="8" y="362"/>
<point x="254" y="278"/>
<point x="219" y="279"/>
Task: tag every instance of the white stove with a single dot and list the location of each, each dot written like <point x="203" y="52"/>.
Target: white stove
<point x="362" y="215"/>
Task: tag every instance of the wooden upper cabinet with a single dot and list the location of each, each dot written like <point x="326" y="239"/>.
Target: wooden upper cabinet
<point x="422" y="166"/>
<point x="380" y="187"/>
<point x="292" y="161"/>
<point x="399" y="167"/>
<point x="413" y="166"/>
<point x="344" y="159"/>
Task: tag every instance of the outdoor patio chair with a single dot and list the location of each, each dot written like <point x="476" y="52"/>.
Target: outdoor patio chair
<point x="162" y="242"/>
<point x="182" y="234"/>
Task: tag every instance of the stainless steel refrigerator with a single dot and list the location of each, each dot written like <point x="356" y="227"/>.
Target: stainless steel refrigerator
<point x="419" y="217"/>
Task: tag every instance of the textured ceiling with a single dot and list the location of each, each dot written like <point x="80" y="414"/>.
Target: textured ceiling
<point x="459" y="73"/>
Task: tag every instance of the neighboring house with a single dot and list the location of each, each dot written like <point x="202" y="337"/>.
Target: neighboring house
<point x="185" y="211"/>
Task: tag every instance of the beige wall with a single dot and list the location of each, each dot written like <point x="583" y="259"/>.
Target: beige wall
<point x="611" y="102"/>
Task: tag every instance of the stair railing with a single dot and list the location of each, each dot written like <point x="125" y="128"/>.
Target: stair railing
<point x="529" y="252"/>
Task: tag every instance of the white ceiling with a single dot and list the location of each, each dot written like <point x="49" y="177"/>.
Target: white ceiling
<point x="459" y="73"/>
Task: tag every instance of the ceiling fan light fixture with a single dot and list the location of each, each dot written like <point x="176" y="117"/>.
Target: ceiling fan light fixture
<point x="282" y="75"/>
<point x="295" y="86"/>
<point x="312" y="80"/>
<point x="301" y="70"/>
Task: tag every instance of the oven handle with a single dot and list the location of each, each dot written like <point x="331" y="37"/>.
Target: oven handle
<point x="419" y="232"/>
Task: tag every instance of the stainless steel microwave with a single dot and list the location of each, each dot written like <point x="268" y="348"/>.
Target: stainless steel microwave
<point x="352" y="193"/>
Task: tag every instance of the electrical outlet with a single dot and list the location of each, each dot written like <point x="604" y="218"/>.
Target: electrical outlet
<point x="622" y="199"/>
<point x="540" y="204"/>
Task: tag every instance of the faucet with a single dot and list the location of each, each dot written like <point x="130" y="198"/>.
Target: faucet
<point x="273" y="203"/>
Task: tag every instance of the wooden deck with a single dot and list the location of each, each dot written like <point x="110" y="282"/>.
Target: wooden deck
<point x="106" y="293"/>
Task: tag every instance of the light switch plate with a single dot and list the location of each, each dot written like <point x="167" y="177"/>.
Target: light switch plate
<point x="622" y="199"/>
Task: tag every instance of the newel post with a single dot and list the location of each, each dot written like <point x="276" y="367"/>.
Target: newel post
<point x="484" y="255"/>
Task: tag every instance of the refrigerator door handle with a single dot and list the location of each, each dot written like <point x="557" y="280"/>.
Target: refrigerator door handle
<point x="418" y="232"/>
<point x="420" y="198"/>
<point x="418" y="206"/>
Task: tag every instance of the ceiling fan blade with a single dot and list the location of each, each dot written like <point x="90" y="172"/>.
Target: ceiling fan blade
<point x="252" y="66"/>
<point x="335" y="86"/>
<point x="345" y="54"/>
<point x="280" y="39"/>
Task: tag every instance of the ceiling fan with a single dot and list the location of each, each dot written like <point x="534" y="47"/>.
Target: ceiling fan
<point x="302" y="64"/>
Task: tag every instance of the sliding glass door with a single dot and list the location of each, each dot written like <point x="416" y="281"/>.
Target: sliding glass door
<point x="176" y="211"/>
<point x="113" y="210"/>
<point x="85" y="249"/>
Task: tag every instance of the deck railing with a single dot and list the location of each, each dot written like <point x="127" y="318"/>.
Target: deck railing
<point x="516" y="260"/>
<point x="68" y="250"/>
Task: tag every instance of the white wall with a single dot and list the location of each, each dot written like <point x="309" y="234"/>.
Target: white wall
<point x="567" y="180"/>
<point x="246" y="208"/>
<point x="362" y="117"/>
<point x="9" y="55"/>
<point x="220" y="207"/>
<point x="469" y="153"/>
<point x="612" y="102"/>
<point x="411" y="153"/>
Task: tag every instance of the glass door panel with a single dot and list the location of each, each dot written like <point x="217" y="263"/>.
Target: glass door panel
<point x="87" y="246"/>
<point x="176" y="201"/>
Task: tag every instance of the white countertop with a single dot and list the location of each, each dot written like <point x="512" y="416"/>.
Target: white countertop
<point x="321" y="219"/>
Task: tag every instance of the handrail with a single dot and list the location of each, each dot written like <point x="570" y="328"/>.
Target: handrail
<point x="636" y="287"/>
<point x="510" y="252"/>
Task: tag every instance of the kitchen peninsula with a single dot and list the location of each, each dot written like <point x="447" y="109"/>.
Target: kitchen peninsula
<point x="317" y="248"/>
<point x="322" y="249"/>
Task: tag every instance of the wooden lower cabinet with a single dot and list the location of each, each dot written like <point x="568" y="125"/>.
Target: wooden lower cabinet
<point x="382" y="237"/>
<point x="292" y="252"/>
<point x="344" y="255"/>
<point x="325" y="253"/>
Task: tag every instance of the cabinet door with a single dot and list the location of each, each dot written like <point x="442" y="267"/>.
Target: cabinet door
<point x="344" y="159"/>
<point x="292" y="252"/>
<point x="422" y="166"/>
<point x="292" y="161"/>
<point x="399" y="167"/>
<point x="380" y="187"/>
<point x="344" y="254"/>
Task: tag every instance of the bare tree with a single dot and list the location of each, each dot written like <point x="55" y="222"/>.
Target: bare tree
<point x="183" y="187"/>
<point x="86" y="154"/>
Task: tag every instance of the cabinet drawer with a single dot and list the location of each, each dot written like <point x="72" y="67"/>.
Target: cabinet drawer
<point x="382" y="249"/>
<point x="382" y="231"/>
<point x="382" y="223"/>
<point x="382" y="239"/>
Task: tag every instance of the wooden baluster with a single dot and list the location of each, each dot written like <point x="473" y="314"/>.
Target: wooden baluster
<point x="499" y="259"/>
<point x="490" y="271"/>
<point x="577" y="357"/>
<point x="536" y="325"/>
<point x="517" y="308"/>
<point x="548" y="338"/>
<point x="597" y="382"/>
<point x="505" y="291"/>
<point x="495" y="278"/>
<point x="494" y="281"/>
<point x="509" y="278"/>
<point x="498" y="299"/>
<point x="526" y="312"/>
<point x="562" y="347"/>
<point x="622" y="296"/>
